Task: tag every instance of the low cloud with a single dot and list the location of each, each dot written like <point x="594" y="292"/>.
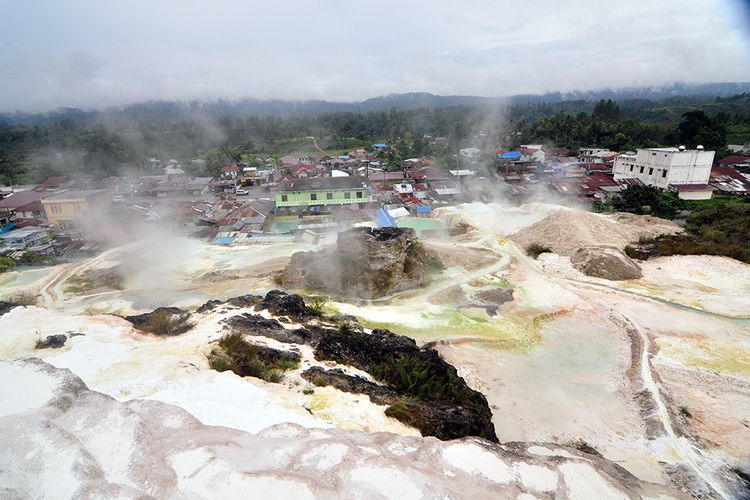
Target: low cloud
<point x="94" y="54"/>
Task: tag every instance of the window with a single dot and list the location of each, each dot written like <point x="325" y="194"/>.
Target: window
<point x="650" y="171"/>
<point x="359" y="194"/>
<point x="347" y="195"/>
<point x="664" y="173"/>
<point x="642" y="169"/>
<point x="284" y="197"/>
<point x="329" y="196"/>
<point x="631" y="168"/>
<point x="313" y="196"/>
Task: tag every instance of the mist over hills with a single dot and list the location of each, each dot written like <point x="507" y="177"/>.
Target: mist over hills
<point x="176" y="110"/>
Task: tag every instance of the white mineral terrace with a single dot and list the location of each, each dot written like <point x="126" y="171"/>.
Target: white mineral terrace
<point x="653" y="373"/>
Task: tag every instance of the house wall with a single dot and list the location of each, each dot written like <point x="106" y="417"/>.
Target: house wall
<point x="695" y="195"/>
<point x="338" y="197"/>
<point x="65" y="211"/>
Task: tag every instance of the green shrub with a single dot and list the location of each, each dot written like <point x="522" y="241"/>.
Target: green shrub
<point x="6" y="264"/>
<point x="345" y="329"/>
<point x="316" y="307"/>
<point x="635" y="253"/>
<point x="163" y="323"/>
<point x="31" y="258"/>
<point x="648" y="200"/>
<point x="715" y="229"/>
<point x="416" y="378"/>
<point x="405" y="410"/>
<point x="235" y="354"/>
<point x="534" y="250"/>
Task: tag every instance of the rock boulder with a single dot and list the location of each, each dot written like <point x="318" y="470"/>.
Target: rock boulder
<point x="366" y="263"/>
<point x="605" y="262"/>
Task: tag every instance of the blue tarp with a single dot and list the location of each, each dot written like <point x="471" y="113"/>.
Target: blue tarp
<point x="343" y="157"/>
<point x="8" y="228"/>
<point x="223" y="241"/>
<point x="510" y="155"/>
<point x="423" y="209"/>
<point x="384" y="219"/>
<point x="380" y="145"/>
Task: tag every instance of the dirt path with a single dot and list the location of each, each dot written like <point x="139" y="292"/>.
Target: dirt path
<point x="53" y="293"/>
<point x="315" y="143"/>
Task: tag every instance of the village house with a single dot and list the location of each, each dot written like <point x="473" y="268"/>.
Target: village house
<point x="230" y="171"/>
<point x="253" y="177"/>
<point x="199" y="186"/>
<point x="470" y="153"/>
<point x="728" y="181"/>
<point x="322" y="191"/>
<point x="683" y="170"/>
<point x="595" y="155"/>
<point x="23" y="205"/>
<point x="23" y="239"/>
<point x="737" y="161"/>
<point x="67" y="208"/>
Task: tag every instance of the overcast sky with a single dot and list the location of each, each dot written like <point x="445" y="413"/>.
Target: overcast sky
<point x="95" y="53"/>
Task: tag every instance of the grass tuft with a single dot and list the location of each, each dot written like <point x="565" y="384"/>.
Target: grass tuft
<point x="235" y="354"/>
<point x="316" y="307"/>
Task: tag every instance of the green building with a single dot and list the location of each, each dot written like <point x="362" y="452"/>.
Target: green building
<point x="323" y="191"/>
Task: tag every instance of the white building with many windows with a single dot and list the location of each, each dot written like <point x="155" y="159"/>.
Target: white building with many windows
<point x="687" y="171"/>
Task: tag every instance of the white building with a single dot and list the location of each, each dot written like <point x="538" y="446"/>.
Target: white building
<point x="470" y="152"/>
<point x="685" y="170"/>
<point x="594" y="155"/>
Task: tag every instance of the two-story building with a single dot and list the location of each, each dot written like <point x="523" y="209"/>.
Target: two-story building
<point x="686" y="171"/>
<point x="65" y="209"/>
<point x="322" y="192"/>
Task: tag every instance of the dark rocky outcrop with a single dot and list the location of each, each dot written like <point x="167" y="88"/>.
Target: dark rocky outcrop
<point x="281" y="303"/>
<point x="258" y="326"/>
<point x="437" y="401"/>
<point x="52" y="342"/>
<point x="379" y="394"/>
<point x="442" y="419"/>
<point x="241" y="301"/>
<point x="5" y="307"/>
<point x="421" y="389"/>
<point x="366" y="263"/>
<point x="605" y="262"/>
<point x="162" y="321"/>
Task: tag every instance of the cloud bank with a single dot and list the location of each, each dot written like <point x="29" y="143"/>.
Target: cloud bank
<point x="88" y="53"/>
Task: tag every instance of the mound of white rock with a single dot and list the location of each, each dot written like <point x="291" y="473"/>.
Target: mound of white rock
<point x="58" y="439"/>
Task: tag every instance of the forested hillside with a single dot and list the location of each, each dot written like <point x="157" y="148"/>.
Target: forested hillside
<point x="99" y="144"/>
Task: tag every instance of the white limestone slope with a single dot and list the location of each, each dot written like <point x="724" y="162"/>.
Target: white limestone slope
<point x="62" y="440"/>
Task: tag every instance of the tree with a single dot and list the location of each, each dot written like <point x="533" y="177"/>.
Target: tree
<point x="648" y="200"/>
<point x="697" y="128"/>
<point x="606" y="111"/>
